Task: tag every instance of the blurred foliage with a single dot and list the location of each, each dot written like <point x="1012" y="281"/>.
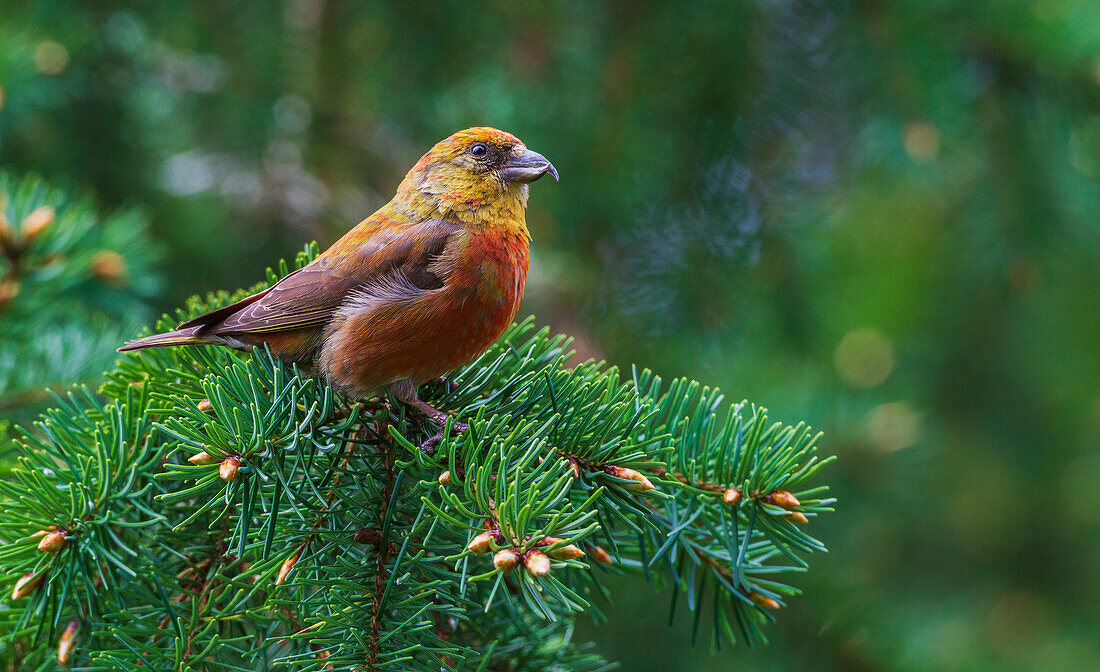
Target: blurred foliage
<point x="71" y="285"/>
<point x="879" y="217"/>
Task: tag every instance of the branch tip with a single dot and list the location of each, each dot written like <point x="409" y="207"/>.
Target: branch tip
<point x="537" y="563"/>
<point x="506" y="560"/>
<point x="53" y="542"/>
<point x="67" y="641"/>
<point x="230" y="468"/>
<point x="26" y="584"/>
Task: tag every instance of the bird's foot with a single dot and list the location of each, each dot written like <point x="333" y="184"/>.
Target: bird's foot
<point x="429" y="446"/>
<point x="405" y="392"/>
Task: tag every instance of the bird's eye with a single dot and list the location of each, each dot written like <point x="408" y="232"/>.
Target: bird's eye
<point x="479" y="150"/>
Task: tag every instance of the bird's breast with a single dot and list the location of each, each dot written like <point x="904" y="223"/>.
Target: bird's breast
<point x="438" y="330"/>
<point x="495" y="271"/>
<point x="475" y="306"/>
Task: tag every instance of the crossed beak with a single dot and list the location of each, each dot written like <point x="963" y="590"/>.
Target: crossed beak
<point x="528" y="167"/>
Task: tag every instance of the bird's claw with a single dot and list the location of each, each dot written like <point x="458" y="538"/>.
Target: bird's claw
<point x="430" y="445"/>
<point x="449" y="384"/>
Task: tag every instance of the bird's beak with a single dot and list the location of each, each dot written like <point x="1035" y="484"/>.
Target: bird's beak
<point x="528" y="167"/>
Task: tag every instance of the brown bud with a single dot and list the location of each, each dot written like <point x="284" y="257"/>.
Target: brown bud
<point x="202" y="458"/>
<point x="796" y="517"/>
<point x="445" y="478"/>
<point x="9" y="289"/>
<point x="26" y="584"/>
<point x="482" y="543"/>
<point x="36" y="222"/>
<point x="229" y="468"/>
<point x="205" y="406"/>
<point x="53" y="542"/>
<point x="566" y="552"/>
<point x="600" y="555"/>
<point x="537" y="563"/>
<point x="639" y="482"/>
<point x="7" y="234"/>
<point x="763" y="601"/>
<point x="783" y="499"/>
<point x="575" y="466"/>
<point x="732" y="496"/>
<point x="109" y="267"/>
<point x="67" y="641"/>
<point x="288" y="565"/>
<point x="506" y="560"/>
<point x="368" y="536"/>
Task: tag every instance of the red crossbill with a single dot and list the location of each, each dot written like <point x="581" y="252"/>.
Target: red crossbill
<point x="422" y="286"/>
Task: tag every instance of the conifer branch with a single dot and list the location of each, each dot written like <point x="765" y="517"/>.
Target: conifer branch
<point x="224" y="510"/>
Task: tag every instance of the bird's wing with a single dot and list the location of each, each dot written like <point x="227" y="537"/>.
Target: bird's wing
<point x="309" y="296"/>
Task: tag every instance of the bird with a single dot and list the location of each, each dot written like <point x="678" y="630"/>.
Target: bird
<point x="422" y="286"/>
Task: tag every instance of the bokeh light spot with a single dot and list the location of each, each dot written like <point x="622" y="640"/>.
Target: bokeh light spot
<point x="187" y="174"/>
<point x="864" y="358"/>
<point x="124" y="31"/>
<point x="51" y="58"/>
<point x="292" y="114"/>
<point x="893" y="426"/>
<point x="921" y="140"/>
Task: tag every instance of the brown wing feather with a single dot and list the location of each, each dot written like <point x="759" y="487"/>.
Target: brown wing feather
<point x="309" y="296"/>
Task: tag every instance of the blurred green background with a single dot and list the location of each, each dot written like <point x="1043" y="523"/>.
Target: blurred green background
<point x="880" y="217"/>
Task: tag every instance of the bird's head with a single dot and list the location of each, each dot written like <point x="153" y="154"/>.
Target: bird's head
<point x="479" y="174"/>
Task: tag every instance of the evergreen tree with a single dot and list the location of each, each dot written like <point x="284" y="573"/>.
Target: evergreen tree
<point x="71" y="285"/>
<point x="205" y="509"/>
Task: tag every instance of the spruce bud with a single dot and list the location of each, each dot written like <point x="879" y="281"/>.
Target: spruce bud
<point x="7" y="235"/>
<point x="537" y="563"/>
<point x="763" y="601"/>
<point x="796" y="517"/>
<point x="68" y="639"/>
<point x="109" y="266"/>
<point x="482" y="543"/>
<point x="567" y="552"/>
<point x="53" y="542"/>
<point x="202" y="458"/>
<point x="783" y="499"/>
<point x="506" y="560"/>
<point x="229" y="468"/>
<point x="368" y="536"/>
<point x="732" y="496"/>
<point x="205" y="406"/>
<point x="9" y="289"/>
<point x="26" y="584"/>
<point x="36" y="222"/>
<point x="445" y="478"/>
<point x="639" y="482"/>
<point x="288" y="565"/>
<point x="600" y="555"/>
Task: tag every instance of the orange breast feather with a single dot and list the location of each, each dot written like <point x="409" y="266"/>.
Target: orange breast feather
<point x="390" y="334"/>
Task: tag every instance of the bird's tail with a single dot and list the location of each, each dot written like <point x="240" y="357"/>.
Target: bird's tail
<point x="189" y="336"/>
